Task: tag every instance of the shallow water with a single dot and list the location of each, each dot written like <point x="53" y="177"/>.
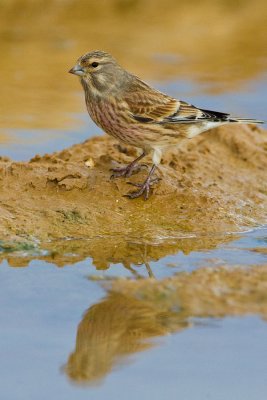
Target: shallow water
<point x="48" y="293"/>
<point x="42" y="306"/>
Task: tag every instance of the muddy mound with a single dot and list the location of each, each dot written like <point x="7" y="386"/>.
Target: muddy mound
<point x="214" y="183"/>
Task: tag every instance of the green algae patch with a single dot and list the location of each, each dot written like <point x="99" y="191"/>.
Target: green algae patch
<point x="15" y="246"/>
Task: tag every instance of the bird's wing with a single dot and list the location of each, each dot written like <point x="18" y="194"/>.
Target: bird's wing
<point x="187" y="113"/>
<point x="150" y="106"/>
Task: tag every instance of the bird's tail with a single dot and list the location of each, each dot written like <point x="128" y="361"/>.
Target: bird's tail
<point x="246" y="120"/>
<point x="220" y="117"/>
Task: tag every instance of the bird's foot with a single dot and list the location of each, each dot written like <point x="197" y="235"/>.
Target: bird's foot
<point x="144" y="188"/>
<point x="126" y="172"/>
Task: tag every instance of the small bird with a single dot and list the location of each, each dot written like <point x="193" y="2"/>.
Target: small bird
<point x="130" y="110"/>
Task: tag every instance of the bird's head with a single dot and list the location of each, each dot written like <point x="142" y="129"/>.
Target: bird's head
<point x="99" y="71"/>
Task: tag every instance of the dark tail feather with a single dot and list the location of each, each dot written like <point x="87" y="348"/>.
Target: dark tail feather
<point x="246" y="121"/>
<point x="219" y="116"/>
<point x="216" y="115"/>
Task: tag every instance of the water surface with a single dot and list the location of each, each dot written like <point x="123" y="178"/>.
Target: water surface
<point x="42" y="306"/>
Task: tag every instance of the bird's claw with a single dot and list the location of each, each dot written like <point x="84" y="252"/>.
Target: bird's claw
<point x="118" y="172"/>
<point x="144" y="189"/>
<point x="127" y="171"/>
<point x="151" y="182"/>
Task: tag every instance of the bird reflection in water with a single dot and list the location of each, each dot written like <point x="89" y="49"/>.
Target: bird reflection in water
<point x="134" y="312"/>
<point x="114" y="329"/>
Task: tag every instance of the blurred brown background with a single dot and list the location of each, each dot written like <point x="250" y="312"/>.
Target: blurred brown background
<point x="222" y="42"/>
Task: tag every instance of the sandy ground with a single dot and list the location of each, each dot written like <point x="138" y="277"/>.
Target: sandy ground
<point x="215" y="183"/>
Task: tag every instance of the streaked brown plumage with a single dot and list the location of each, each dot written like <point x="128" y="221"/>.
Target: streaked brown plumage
<point x="131" y="111"/>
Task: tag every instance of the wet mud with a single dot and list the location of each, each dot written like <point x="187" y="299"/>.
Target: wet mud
<point x="214" y="183"/>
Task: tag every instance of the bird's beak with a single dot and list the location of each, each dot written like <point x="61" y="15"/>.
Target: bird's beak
<point x="77" y="70"/>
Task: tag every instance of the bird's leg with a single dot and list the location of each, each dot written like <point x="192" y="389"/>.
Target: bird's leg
<point x="128" y="170"/>
<point x="145" y="186"/>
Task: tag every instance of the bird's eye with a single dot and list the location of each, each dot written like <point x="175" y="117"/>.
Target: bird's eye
<point x="95" y="64"/>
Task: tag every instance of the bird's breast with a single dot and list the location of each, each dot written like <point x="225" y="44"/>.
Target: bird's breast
<point x="107" y="116"/>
